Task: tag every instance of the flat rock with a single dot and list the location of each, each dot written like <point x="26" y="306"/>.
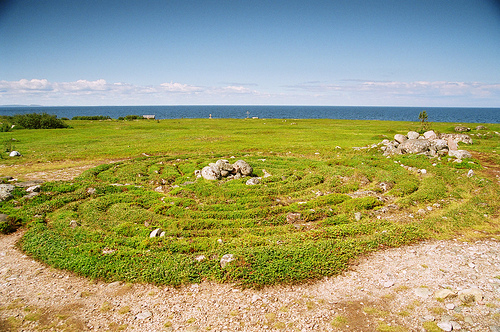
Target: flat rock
<point x="444" y="294"/>
<point x="445" y="326"/>
<point x="143" y="315"/>
<point x="459" y="154"/>
<point x="470" y="295"/>
<point x="422" y="292"/>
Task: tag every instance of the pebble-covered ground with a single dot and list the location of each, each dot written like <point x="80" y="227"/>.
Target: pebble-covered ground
<point x="391" y="290"/>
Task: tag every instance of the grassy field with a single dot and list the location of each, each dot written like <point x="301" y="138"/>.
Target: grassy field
<point x="333" y="190"/>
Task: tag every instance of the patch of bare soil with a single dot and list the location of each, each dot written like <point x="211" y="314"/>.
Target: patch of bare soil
<point x="391" y="290"/>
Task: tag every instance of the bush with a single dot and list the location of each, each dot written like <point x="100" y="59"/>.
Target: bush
<point x="5" y="127"/>
<point x="93" y="117"/>
<point x="131" y="117"/>
<point x="38" y="121"/>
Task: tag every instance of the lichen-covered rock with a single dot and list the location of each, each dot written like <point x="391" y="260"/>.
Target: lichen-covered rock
<point x="400" y="138"/>
<point x="210" y="173"/>
<point x="243" y="167"/>
<point x="430" y="135"/>
<point x="5" y="191"/>
<point x="413" y="135"/>
<point x="415" y="146"/>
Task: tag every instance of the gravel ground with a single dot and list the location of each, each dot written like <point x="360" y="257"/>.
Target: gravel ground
<point x="391" y="290"/>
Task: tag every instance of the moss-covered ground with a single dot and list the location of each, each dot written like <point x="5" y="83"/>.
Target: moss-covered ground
<point x="315" y="174"/>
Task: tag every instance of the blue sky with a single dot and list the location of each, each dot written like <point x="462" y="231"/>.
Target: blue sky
<point x="189" y="52"/>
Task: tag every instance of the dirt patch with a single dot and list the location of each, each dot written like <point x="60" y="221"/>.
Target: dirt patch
<point x="380" y="293"/>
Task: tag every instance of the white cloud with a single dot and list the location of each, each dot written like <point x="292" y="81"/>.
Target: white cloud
<point x="181" y="88"/>
<point x="346" y="92"/>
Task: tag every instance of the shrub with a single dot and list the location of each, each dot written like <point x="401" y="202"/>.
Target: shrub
<point x="5" y="127"/>
<point x="38" y="121"/>
<point x="133" y="117"/>
<point x="93" y="117"/>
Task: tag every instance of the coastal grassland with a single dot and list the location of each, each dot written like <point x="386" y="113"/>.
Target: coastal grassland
<point x="93" y="142"/>
<point x="117" y="205"/>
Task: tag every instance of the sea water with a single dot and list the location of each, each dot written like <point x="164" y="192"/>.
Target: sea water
<point x="435" y="114"/>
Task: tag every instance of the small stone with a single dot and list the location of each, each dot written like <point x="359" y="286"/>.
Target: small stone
<point x="470" y="173"/>
<point x="143" y="315"/>
<point x="422" y="292"/>
<point x="450" y="306"/>
<point x="226" y="259"/>
<point x="90" y="191"/>
<point x="445" y="326"/>
<point x="255" y="298"/>
<point x="455" y="326"/>
<point x="253" y="181"/>
<point x="220" y="241"/>
<point x="33" y="189"/>
<point x="357" y="216"/>
<point x="14" y="154"/>
<point x="423" y="171"/>
<point x="292" y="217"/>
<point x="114" y="284"/>
<point x="444" y="294"/>
<point x="155" y="233"/>
<point x="470" y="295"/>
<point x="388" y="284"/>
<point x="73" y="224"/>
<point x="200" y="258"/>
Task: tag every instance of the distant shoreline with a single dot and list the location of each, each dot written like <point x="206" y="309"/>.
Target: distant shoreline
<point x="436" y="114"/>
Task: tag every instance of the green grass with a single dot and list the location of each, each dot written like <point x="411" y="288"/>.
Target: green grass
<point x="115" y="217"/>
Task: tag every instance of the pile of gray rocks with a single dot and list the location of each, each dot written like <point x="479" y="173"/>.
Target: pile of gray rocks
<point x="429" y="144"/>
<point x="224" y="169"/>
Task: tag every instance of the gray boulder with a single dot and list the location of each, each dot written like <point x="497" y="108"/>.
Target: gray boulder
<point x="210" y="173"/>
<point x="224" y="165"/>
<point x="459" y="154"/>
<point x="400" y="138"/>
<point x="413" y="135"/>
<point x="243" y="167"/>
<point x="415" y="146"/>
<point x="5" y="191"/>
<point x="430" y="135"/>
<point x="439" y="144"/>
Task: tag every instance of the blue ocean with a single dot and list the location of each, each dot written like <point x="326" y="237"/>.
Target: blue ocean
<point x="435" y="114"/>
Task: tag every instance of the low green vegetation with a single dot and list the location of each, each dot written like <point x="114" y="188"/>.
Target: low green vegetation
<point x="31" y="121"/>
<point x="98" y="225"/>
